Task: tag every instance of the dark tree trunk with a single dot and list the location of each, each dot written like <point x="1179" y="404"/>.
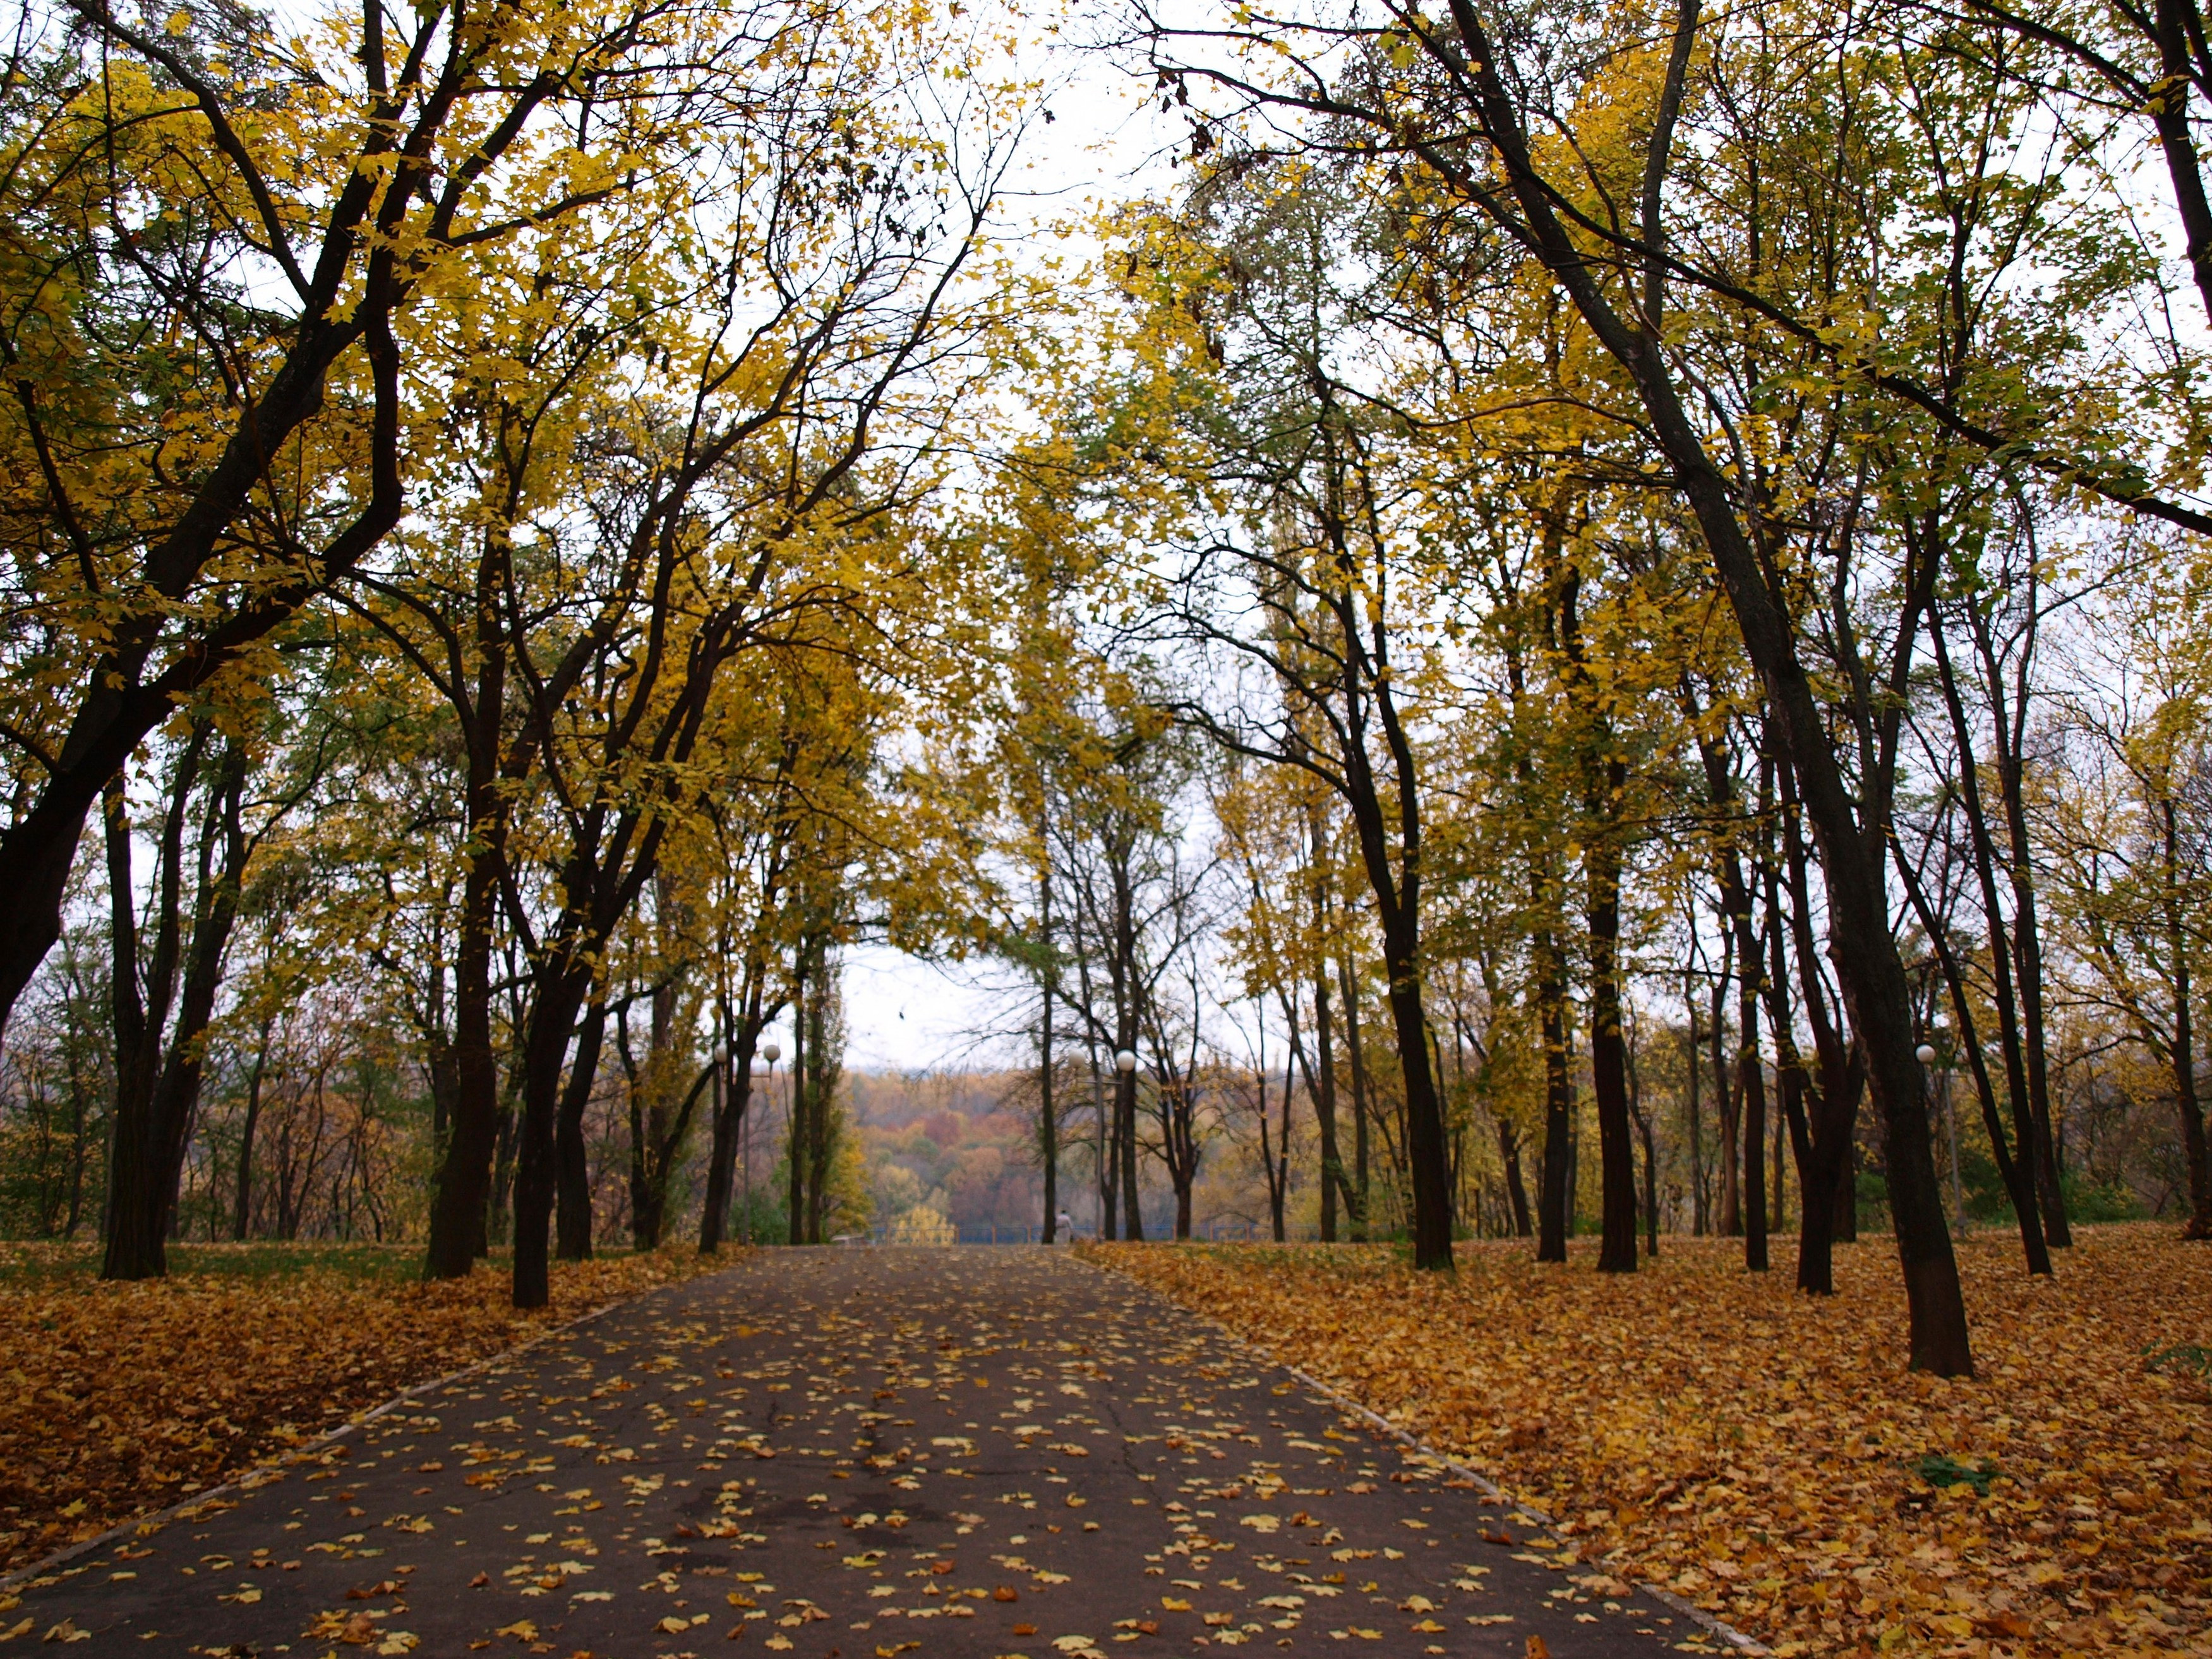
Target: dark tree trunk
<point x="1553" y="1217"/>
<point x="1323" y="1085"/>
<point x="1981" y="856"/>
<point x="158" y="1063"/>
<point x="1279" y="1182"/>
<point x="2016" y="1173"/>
<point x="1874" y="986"/>
<point x="572" y="1220"/>
<point x="242" y="1210"/>
<point x="461" y="1193"/>
<point x="1643" y="1122"/>
<point x="1356" y="1195"/>
<point x="1427" y="1154"/>
<point x="1751" y="1083"/>
<point x="730" y="1118"/>
<point x="1728" y="1105"/>
<point x="1517" y="1190"/>
<point x="1608" y="1058"/>
<point x="1125" y="1144"/>
<point x="2183" y="1051"/>
<point x="1693" y="1073"/>
<point x="798" y="1134"/>
<point x="1048" y="1108"/>
<point x="559" y="998"/>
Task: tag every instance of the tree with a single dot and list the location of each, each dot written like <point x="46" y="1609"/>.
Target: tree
<point x="211" y="246"/>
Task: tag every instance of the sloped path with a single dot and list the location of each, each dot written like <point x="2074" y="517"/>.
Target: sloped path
<point x="846" y="1454"/>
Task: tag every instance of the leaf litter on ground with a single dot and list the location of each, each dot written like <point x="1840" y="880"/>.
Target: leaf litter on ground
<point x="1767" y="1456"/>
<point x="120" y="1399"/>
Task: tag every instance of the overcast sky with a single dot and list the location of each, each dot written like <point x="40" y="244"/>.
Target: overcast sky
<point x="1106" y="140"/>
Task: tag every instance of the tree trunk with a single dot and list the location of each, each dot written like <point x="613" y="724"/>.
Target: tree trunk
<point x="1643" y="1121"/>
<point x="461" y="1193"/>
<point x="1356" y="1195"/>
<point x="1981" y="854"/>
<point x="1426" y="1153"/>
<point x="572" y="1222"/>
<point x="242" y="1211"/>
<point x="1751" y="1083"/>
<point x="1517" y="1190"/>
<point x="1693" y="1126"/>
<point x="1608" y="1056"/>
<point x="735" y="1099"/>
<point x="1125" y="1143"/>
<point x="1864" y="948"/>
<point x="2016" y="1173"/>
<point x="559" y="998"/>
<point x="1279" y="1185"/>
<point x="2184" y="1047"/>
<point x="1552" y="1217"/>
<point x="1332" y="1182"/>
<point x="1047" y="1109"/>
<point x="798" y="1135"/>
<point x="1728" y="1105"/>
<point x="159" y="1065"/>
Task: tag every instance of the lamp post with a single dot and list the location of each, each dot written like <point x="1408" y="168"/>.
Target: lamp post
<point x="1927" y="1055"/>
<point x="1125" y="1062"/>
<point x="771" y="1053"/>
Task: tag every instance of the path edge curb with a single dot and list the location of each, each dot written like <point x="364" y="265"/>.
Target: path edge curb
<point x="1717" y="1627"/>
<point x="262" y="1473"/>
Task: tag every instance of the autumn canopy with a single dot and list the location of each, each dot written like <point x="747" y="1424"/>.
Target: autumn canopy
<point x="1515" y="622"/>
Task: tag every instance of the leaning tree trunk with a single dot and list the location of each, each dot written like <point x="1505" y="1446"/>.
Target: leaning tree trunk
<point x="1852" y="854"/>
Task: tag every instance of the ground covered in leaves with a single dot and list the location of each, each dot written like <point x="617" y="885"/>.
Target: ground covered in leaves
<point x="1767" y="1456"/>
<point x="117" y="1399"/>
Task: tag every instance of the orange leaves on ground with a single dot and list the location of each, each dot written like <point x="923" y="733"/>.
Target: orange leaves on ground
<point x="118" y="1400"/>
<point x="1767" y="1456"/>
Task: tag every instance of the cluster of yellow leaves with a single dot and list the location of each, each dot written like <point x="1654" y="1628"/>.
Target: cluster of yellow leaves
<point x="118" y="1400"/>
<point x="1767" y="1456"/>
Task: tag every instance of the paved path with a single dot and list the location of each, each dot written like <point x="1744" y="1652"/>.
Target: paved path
<point x="855" y="1454"/>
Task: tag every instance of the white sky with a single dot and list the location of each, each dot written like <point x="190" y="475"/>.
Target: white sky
<point x="1105" y="141"/>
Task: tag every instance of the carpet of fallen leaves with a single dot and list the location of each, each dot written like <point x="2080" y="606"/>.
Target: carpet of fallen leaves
<point x="1767" y="1456"/>
<point x="119" y="1399"/>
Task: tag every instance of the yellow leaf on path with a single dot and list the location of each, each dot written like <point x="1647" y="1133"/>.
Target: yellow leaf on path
<point x="522" y="1629"/>
<point x="1174" y="1604"/>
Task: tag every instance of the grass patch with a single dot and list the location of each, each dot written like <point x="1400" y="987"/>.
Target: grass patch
<point x="1942" y="1471"/>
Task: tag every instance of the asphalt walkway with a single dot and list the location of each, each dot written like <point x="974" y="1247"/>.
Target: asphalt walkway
<point x="848" y="1454"/>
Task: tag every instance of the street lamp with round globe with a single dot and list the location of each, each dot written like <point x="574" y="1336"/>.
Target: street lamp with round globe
<point x="770" y="1053"/>
<point x="1125" y="1062"/>
<point x="1925" y="1055"/>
